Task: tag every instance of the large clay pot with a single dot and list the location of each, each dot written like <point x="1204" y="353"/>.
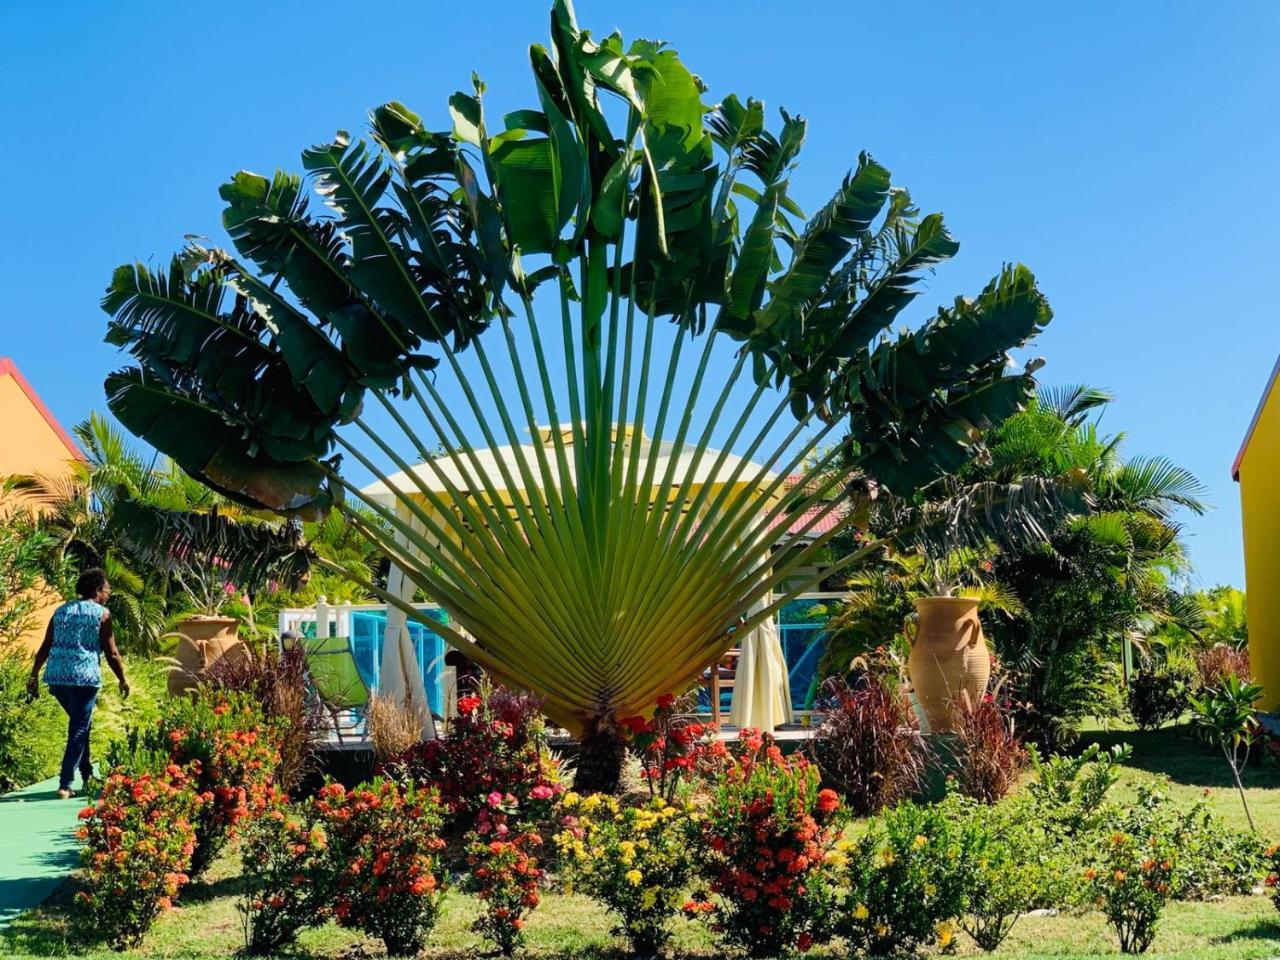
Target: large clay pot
<point x="949" y="657"/>
<point x="202" y="642"/>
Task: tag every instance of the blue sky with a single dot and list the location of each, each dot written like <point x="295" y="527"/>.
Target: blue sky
<point x="1126" y="152"/>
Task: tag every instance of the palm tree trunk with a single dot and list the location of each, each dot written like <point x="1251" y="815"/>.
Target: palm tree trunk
<point x="599" y="768"/>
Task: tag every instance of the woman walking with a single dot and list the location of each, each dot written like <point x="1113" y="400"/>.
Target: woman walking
<point x="79" y="633"/>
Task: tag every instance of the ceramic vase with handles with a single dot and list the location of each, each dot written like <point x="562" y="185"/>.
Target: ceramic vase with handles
<point x="949" y="657"/>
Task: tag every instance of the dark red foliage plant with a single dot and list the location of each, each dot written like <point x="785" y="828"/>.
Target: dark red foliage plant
<point x="987" y="752"/>
<point x="870" y="747"/>
<point x="1220" y="661"/>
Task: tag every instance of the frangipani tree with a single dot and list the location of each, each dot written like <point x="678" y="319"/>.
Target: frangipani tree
<point x="680" y="295"/>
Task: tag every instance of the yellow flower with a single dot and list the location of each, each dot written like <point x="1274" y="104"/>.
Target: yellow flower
<point x="919" y="841"/>
<point x="860" y="912"/>
<point x="626" y="851"/>
<point x="634" y="877"/>
<point x="887" y="856"/>
<point x="930" y="890"/>
<point x="945" y="934"/>
<point x="881" y="930"/>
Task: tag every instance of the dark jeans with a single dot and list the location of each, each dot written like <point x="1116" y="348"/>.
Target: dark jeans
<point x="78" y="702"/>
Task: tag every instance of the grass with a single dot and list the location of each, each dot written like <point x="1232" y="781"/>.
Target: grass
<point x="207" y="925"/>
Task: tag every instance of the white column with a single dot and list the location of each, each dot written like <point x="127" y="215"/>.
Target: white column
<point x="322" y="617"/>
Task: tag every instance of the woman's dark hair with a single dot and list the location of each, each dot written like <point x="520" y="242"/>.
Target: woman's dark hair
<point x="90" y="582"/>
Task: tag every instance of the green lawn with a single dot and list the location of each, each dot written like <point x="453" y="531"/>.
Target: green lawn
<point x="1238" y="928"/>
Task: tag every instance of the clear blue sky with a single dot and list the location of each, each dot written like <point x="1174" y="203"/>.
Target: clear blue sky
<point x="1127" y="152"/>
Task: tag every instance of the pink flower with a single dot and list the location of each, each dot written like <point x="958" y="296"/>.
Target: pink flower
<point x="495" y="799"/>
<point x="542" y="792"/>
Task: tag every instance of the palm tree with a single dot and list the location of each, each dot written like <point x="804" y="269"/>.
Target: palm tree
<point x="628" y="232"/>
<point x="136" y="517"/>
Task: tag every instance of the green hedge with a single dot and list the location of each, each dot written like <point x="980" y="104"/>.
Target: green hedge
<point x="32" y="735"/>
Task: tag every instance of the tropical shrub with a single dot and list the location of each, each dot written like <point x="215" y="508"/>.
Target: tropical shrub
<point x="287" y="875"/>
<point x="31" y="738"/>
<point x="1067" y="793"/>
<point x="870" y="747"/>
<point x="1014" y="864"/>
<point x="277" y="680"/>
<point x="986" y="751"/>
<point x="764" y="841"/>
<point x="909" y="880"/>
<point x="1130" y="878"/>
<point x="1216" y="663"/>
<point x="1272" y="880"/>
<point x="137" y="839"/>
<point x="496" y="744"/>
<point x="634" y="860"/>
<point x="384" y="842"/>
<point x="1158" y="694"/>
<point x="504" y="874"/>
<point x="232" y="750"/>
<point x="1213" y="858"/>
<point x="669" y="746"/>
<point x="1226" y="717"/>
<point x="679" y="219"/>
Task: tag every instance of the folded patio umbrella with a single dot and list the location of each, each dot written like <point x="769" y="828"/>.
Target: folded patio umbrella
<point x="761" y="689"/>
<point x="400" y="676"/>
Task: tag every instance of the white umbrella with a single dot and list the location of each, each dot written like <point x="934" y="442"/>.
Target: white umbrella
<point x="400" y="677"/>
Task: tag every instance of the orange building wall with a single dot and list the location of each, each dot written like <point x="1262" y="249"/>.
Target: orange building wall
<point x="31" y="441"/>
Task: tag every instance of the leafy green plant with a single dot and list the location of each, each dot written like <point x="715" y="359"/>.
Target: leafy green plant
<point x="1067" y="793"/>
<point x="1131" y="877"/>
<point x="909" y="880"/>
<point x="1159" y="694"/>
<point x="1016" y="866"/>
<point x="634" y="860"/>
<point x="31" y="738"/>
<point x="1226" y="715"/>
<point x="288" y="877"/>
<point x="563" y="232"/>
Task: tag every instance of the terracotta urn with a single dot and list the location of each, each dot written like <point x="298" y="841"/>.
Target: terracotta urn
<point x="949" y="657"/>
<point x="202" y="642"/>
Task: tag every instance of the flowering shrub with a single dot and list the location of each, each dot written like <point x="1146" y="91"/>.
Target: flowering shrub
<point x="870" y="747"/>
<point x="384" y="856"/>
<point x="634" y="860"/>
<point x="909" y="881"/>
<point x="1130" y="880"/>
<point x="1272" y="880"/>
<point x="504" y="874"/>
<point x="669" y="746"/>
<point x="137" y="839"/>
<point x="233" y="751"/>
<point x="497" y="743"/>
<point x="1014" y="866"/>
<point x="764" y="841"/>
<point x="987" y="751"/>
<point x="286" y="871"/>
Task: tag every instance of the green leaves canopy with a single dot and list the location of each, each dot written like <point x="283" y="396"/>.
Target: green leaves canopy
<point x="639" y="203"/>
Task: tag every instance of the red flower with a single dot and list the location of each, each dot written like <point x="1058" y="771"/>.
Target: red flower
<point x="469" y="704"/>
<point x="828" y="800"/>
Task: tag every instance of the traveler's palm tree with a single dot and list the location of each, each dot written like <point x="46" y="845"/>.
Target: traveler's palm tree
<point x="620" y="262"/>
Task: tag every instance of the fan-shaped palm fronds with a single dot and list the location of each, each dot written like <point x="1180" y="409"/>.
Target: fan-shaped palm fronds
<point x="532" y="266"/>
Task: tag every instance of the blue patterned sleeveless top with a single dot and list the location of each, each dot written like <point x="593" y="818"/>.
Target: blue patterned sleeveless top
<point x="73" y="658"/>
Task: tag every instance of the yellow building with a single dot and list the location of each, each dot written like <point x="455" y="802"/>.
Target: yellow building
<point x="1256" y="468"/>
<point x="33" y="443"/>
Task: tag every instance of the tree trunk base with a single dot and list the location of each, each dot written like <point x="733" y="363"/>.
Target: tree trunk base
<point x="599" y="767"/>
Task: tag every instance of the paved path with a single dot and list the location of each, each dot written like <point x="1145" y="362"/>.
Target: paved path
<point x="37" y="845"/>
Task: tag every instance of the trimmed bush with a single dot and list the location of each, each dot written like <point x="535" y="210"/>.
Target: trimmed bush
<point x="1159" y="694"/>
<point x="287" y="877"/>
<point x="384" y="845"/>
<point x="137" y="841"/>
<point x="909" y="880"/>
<point x="763" y="846"/>
<point x="634" y="860"/>
<point x="504" y="874"/>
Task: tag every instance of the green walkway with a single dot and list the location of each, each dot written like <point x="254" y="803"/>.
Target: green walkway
<point x="37" y="845"/>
